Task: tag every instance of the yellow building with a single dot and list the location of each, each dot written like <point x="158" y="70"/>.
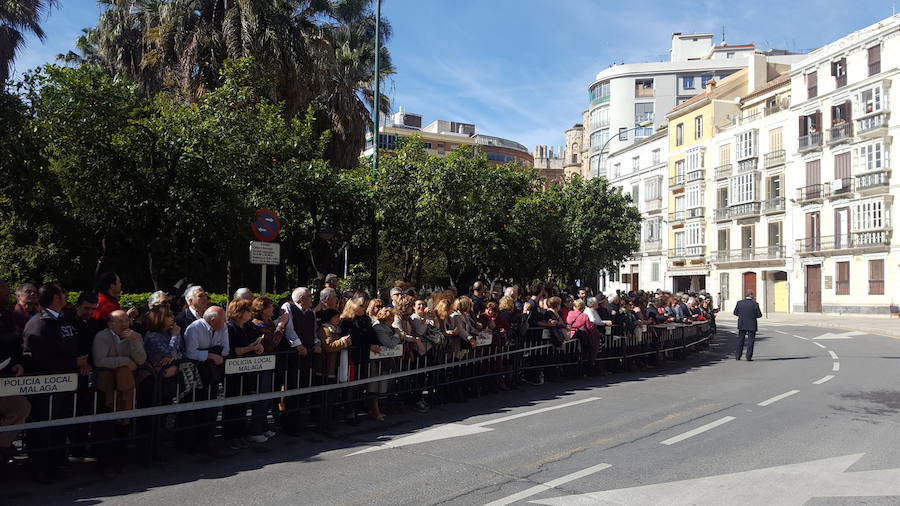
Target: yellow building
<point x="691" y="129"/>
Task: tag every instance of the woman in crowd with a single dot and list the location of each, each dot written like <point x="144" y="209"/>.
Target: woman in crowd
<point x="386" y="338"/>
<point x="568" y="302"/>
<point x="161" y="343"/>
<point x="582" y="328"/>
<point x="465" y="331"/>
<point x="404" y="327"/>
<point x="358" y="325"/>
<point x="375" y="306"/>
<point x="243" y="342"/>
<point x="494" y="320"/>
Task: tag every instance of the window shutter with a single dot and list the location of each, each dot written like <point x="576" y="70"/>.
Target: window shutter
<point x="818" y="120"/>
<point x="848" y="109"/>
<point x="842" y="166"/>
<point x="803" y="126"/>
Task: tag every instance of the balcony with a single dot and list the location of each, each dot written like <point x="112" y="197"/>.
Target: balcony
<point x="723" y="172"/>
<point x="676" y="181"/>
<point x="868" y="241"/>
<point x="748" y="165"/>
<point x="840" y="133"/>
<point x="721" y="214"/>
<point x="774" y="108"/>
<point x="774" y="159"/>
<point x="810" y="193"/>
<point x="872" y="125"/>
<point x="676" y="217"/>
<point x="763" y="253"/>
<point x="652" y="246"/>
<point x="654" y="204"/>
<point x="775" y="205"/>
<point x="810" y="142"/>
<point x="687" y="252"/>
<point x="744" y="210"/>
<point x="873" y="181"/>
<point x="694" y="212"/>
<point x="695" y="175"/>
<point x="839" y="188"/>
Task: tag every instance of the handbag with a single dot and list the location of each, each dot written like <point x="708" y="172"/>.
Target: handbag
<point x="188" y="378"/>
<point x="434" y="336"/>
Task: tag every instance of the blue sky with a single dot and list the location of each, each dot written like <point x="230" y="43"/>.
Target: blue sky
<point x="520" y="68"/>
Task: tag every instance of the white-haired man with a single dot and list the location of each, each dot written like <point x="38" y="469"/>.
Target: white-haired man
<point x="243" y="293"/>
<point x="206" y="344"/>
<point x="197" y="302"/>
<point x="301" y="334"/>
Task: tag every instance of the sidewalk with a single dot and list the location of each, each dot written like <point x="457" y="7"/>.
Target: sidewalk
<point x="874" y="324"/>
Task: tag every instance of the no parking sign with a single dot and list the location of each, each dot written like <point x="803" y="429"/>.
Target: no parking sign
<point x="266" y="225"/>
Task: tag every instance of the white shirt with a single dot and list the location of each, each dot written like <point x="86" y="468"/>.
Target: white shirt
<point x="289" y="332"/>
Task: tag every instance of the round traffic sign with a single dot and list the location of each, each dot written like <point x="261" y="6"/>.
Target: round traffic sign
<point x="265" y="225"/>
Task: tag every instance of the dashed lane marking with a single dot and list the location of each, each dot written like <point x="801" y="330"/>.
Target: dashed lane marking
<point x="823" y="380"/>
<point x="778" y="398"/>
<point x="833" y="354"/>
<point x="698" y="430"/>
<point x="836" y="367"/>
<point x="820" y="345"/>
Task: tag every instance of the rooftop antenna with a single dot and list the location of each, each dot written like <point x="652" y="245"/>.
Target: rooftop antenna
<point x="723" y="35"/>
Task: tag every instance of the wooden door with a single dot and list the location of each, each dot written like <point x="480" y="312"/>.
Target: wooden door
<point x="635" y="283"/>
<point x="749" y="283"/>
<point x="813" y="288"/>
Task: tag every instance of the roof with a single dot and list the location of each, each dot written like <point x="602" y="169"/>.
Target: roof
<point x="738" y="46"/>
<point x="778" y="82"/>
<point x="662" y="132"/>
<point x="709" y="93"/>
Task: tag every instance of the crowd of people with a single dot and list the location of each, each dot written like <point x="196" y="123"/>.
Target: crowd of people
<point x="174" y="351"/>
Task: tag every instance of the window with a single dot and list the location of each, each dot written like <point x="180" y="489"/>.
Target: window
<point x="643" y="112"/>
<point x="776" y="139"/>
<point x="870" y="157"/>
<point x="635" y="188"/>
<point x="810" y="124"/>
<point x="693" y="197"/>
<point x="746" y="144"/>
<point x="876" y="277"/>
<point x="654" y="272"/>
<point x="868" y="101"/>
<point x="694" y="234"/>
<point x="842" y="167"/>
<point x="599" y="93"/>
<point x="694" y="159"/>
<point x="842" y="285"/>
<point x="687" y="83"/>
<point x="874" y="60"/>
<point x="679" y="168"/>
<point x="729" y="55"/>
<point x="722" y="197"/>
<point x="839" y="71"/>
<point x="426" y="145"/>
<point x="679" y="134"/>
<point x="635" y="163"/>
<point x="643" y="88"/>
<point x="698" y="127"/>
<point x="595" y="166"/>
<point x="623" y="134"/>
<point x="840" y="113"/>
<point x="723" y="287"/>
<point x="724" y="154"/>
<point x="387" y="141"/>
<point x="600" y="117"/>
<point x="705" y="80"/>
<point x="812" y="85"/>
<point x="617" y="170"/>
<point x="743" y="188"/>
<point x="599" y="138"/>
<point x="653" y="188"/>
<point x="724" y="244"/>
<point x="654" y="229"/>
<point x="868" y="215"/>
<point x="774" y="187"/>
<point x="775" y="233"/>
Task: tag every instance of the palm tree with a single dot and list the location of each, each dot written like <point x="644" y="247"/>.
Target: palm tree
<point x="125" y="40"/>
<point x="17" y="19"/>
<point x="347" y="87"/>
<point x="86" y="45"/>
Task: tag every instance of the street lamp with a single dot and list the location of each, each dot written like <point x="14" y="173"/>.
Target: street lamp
<point x="642" y="124"/>
<point x="376" y="116"/>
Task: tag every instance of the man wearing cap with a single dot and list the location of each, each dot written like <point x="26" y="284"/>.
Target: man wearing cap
<point x="747" y="311"/>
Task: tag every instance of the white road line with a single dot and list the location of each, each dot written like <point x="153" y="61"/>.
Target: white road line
<point x="780" y="332"/>
<point x="698" y="430"/>
<point x="836" y="367"/>
<point x="778" y="398"/>
<point x="550" y="485"/>
<point x="823" y="380"/>
<point x="801" y="337"/>
<point x="820" y="345"/>
<point x="534" y="412"/>
<point x="833" y="355"/>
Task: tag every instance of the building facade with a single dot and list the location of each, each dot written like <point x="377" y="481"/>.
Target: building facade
<point x="841" y="146"/>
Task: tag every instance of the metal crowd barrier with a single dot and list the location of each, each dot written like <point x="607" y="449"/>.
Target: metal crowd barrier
<point x="79" y="409"/>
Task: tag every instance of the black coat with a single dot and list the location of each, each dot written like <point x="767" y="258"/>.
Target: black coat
<point x="52" y="343"/>
<point x="747" y="311"/>
<point x="185" y="318"/>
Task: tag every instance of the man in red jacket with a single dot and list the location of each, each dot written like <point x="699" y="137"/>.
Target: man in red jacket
<point x="109" y="289"/>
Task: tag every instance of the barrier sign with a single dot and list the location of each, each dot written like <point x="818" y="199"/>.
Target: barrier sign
<point x="387" y="352"/>
<point x="47" y="384"/>
<point x="484" y="338"/>
<point x="249" y="364"/>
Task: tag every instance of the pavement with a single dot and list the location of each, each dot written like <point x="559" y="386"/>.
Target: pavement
<point x="813" y="420"/>
<point x="874" y="324"/>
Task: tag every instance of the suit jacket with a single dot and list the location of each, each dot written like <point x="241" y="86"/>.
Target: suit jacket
<point x="51" y="343"/>
<point x="184" y="319"/>
<point x="747" y="311"/>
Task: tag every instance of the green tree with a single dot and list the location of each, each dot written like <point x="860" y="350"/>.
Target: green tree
<point x="18" y="18"/>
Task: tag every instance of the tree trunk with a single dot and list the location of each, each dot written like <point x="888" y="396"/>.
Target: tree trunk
<point x="101" y="257"/>
<point x="153" y="276"/>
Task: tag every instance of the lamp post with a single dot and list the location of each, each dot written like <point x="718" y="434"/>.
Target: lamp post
<point x="642" y="124"/>
<point x="377" y="116"/>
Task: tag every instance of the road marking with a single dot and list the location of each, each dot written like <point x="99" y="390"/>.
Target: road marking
<point x="550" y="485"/>
<point x="451" y="430"/>
<point x="845" y="335"/>
<point x="698" y="430"/>
<point x="801" y="337"/>
<point x="533" y="412"/>
<point x="820" y="345"/>
<point x="836" y="367"/>
<point x="833" y="355"/>
<point x="781" y="332"/>
<point x="789" y="484"/>
<point x="823" y="380"/>
<point x="778" y="398"/>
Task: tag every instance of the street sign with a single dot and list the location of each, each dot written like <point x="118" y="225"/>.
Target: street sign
<point x="47" y="384"/>
<point x="266" y="225"/>
<point x="265" y="253"/>
<point x="249" y="364"/>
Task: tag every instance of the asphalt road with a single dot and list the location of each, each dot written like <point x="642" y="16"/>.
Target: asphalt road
<point x="689" y="432"/>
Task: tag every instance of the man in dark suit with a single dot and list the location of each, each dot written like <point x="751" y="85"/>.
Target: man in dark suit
<point x="747" y="311"/>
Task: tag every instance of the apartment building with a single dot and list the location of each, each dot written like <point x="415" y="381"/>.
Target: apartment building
<point x="640" y="170"/>
<point x="625" y="96"/>
<point x="748" y="208"/>
<point x="441" y="137"/>
<point x="842" y="145"/>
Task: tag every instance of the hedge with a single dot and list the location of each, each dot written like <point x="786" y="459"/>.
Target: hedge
<point x="139" y="300"/>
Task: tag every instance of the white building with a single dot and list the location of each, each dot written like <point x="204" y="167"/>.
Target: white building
<point x="625" y="95"/>
<point x="640" y="170"/>
<point x="843" y="187"/>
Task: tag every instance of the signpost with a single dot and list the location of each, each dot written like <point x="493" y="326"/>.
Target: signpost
<point x="265" y="227"/>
